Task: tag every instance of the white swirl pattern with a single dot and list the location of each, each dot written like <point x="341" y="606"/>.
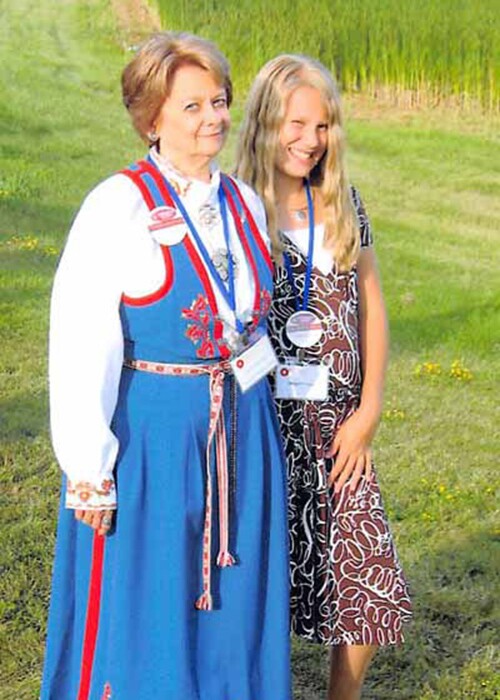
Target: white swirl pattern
<point x="347" y="586"/>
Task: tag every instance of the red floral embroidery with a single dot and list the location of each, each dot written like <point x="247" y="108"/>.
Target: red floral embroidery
<point x="85" y="490"/>
<point x="199" y="331"/>
<point x="107" y="692"/>
<point x="265" y="302"/>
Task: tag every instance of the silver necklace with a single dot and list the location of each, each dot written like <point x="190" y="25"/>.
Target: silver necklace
<point x="299" y="214"/>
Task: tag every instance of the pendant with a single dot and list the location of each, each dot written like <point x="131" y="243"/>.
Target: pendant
<point x="300" y="214"/>
<point x="304" y="329"/>
<point x="208" y="215"/>
<point x="233" y="341"/>
<point x="220" y="260"/>
<point x="236" y="341"/>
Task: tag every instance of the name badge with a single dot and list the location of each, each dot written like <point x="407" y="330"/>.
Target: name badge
<point x="166" y="225"/>
<point x="304" y="329"/>
<point x="302" y="382"/>
<point x="255" y="362"/>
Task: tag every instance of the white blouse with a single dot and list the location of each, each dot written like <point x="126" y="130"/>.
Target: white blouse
<point x="322" y="257"/>
<point x="109" y="252"/>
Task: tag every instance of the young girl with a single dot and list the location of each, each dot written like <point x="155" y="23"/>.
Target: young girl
<point x="328" y="325"/>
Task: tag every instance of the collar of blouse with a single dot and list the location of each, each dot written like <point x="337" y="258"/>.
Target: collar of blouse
<point x="193" y="192"/>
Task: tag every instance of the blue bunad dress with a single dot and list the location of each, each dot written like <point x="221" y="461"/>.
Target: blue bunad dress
<point x="187" y="597"/>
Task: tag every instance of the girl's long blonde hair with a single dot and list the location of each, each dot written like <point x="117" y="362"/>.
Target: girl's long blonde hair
<point x="258" y="144"/>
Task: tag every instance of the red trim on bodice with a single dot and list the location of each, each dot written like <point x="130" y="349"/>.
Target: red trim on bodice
<point x="255" y="230"/>
<point x="163" y="290"/>
<point x="246" y="247"/>
<point x="159" y="181"/>
<point x="134" y="175"/>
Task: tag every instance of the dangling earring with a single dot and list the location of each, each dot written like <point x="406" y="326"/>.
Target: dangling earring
<point x="153" y="136"/>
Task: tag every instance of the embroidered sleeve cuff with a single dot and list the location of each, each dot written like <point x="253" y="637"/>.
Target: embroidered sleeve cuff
<point x="86" y="496"/>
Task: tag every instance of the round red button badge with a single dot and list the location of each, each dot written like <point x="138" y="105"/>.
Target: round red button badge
<point x="240" y="363"/>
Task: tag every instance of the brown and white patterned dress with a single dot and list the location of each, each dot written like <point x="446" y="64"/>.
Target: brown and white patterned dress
<point x="347" y="586"/>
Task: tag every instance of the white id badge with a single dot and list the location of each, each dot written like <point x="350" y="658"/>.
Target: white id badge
<point x="254" y="363"/>
<point x="302" y="382"/>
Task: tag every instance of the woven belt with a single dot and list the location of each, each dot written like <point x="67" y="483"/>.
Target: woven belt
<point x="216" y="429"/>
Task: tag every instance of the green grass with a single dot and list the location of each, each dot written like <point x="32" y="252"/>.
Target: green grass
<point x="431" y="50"/>
<point x="431" y="183"/>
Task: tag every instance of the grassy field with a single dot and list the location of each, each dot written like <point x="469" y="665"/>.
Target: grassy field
<point x="431" y="181"/>
<point x="427" y="51"/>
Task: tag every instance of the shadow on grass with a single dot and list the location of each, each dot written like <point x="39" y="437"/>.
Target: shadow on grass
<point x="452" y="329"/>
<point x="22" y="215"/>
<point x="449" y="652"/>
<point x="24" y="417"/>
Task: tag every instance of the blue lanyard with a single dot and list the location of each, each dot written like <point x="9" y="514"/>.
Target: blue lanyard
<point x="228" y="293"/>
<point x="309" y="261"/>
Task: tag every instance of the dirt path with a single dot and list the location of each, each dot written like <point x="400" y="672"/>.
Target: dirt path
<point x="135" y="19"/>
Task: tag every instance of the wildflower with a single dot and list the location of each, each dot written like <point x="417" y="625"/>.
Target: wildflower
<point x="429" y="369"/>
<point x="394" y="414"/>
<point x="23" y="242"/>
<point x="458" y="371"/>
<point x="50" y="250"/>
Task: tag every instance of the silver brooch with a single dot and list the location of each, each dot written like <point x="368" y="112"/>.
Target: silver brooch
<point x="208" y="215"/>
<point x="220" y="260"/>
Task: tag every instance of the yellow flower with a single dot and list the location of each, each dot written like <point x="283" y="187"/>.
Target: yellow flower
<point x="50" y="250"/>
<point x="428" y="369"/>
<point x="23" y="242"/>
<point x="459" y="371"/>
<point x="394" y="414"/>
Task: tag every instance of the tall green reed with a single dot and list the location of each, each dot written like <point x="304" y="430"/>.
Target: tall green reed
<point x="431" y="50"/>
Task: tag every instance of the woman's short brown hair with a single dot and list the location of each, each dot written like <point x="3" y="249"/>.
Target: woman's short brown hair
<point x="147" y="79"/>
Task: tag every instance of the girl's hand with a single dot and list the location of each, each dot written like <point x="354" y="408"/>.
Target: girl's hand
<point x="351" y="451"/>
<point x="99" y="520"/>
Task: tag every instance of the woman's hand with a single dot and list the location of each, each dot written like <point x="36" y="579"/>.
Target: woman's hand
<point x="351" y="450"/>
<point x="99" y="520"/>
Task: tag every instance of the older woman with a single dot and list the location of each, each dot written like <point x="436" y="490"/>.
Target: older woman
<point x="172" y="533"/>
